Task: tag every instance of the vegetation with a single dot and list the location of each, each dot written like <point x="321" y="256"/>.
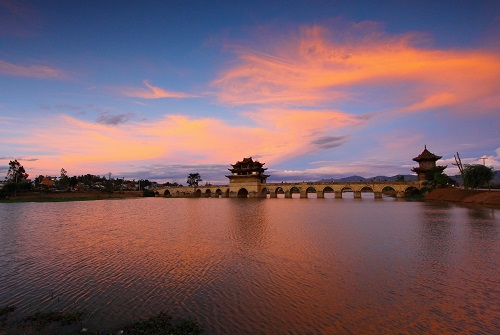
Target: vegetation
<point x="436" y="179"/>
<point x="148" y="193"/>
<point x="16" y="172"/>
<point x="193" y="179"/>
<point x="16" y="179"/>
<point x="161" y="323"/>
<point x="169" y="184"/>
<point x="7" y="310"/>
<point x="477" y="175"/>
<point x="41" y="320"/>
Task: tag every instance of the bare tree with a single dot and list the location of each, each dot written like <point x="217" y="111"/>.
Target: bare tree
<point x="458" y="163"/>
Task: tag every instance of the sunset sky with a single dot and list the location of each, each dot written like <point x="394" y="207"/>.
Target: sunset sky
<point x="315" y="89"/>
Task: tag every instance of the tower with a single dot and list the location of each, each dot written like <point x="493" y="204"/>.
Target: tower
<point x="426" y="163"/>
<point x="247" y="178"/>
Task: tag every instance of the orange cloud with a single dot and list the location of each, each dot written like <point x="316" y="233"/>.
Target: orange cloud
<point x="84" y="147"/>
<point x="32" y="71"/>
<point x="319" y="66"/>
<point x="152" y="92"/>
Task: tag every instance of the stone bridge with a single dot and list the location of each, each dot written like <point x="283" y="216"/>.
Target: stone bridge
<point x="286" y="190"/>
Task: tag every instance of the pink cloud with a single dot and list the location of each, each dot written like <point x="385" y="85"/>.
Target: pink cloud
<point x="31" y="71"/>
<point x="152" y="92"/>
<point x="88" y="147"/>
<point x="319" y="65"/>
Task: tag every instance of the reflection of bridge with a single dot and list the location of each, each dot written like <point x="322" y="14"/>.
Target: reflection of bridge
<point x="286" y="190"/>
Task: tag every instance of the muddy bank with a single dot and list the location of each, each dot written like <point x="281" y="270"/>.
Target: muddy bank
<point x="70" y="196"/>
<point x="484" y="197"/>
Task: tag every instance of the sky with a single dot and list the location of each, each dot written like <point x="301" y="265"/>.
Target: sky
<point x="314" y="89"/>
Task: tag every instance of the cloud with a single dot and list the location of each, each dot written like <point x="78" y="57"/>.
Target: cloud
<point x="328" y="142"/>
<point x="212" y="173"/>
<point x="31" y="71"/>
<point x="19" y="159"/>
<point x="152" y="92"/>
<point x="274" y="135"/>
<point x="113" y="120"/>
<point x="360" y="63"/>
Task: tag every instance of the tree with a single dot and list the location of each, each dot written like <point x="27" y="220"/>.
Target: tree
<point x="73" y="181"/>
<point x="193" y="179"/>
<point x="17" y="176"/>
<point x="477" y="175"/>
<point x="16" y="173"/>
<point x="437" y="179"/>
<point x="63" y="182"/>
<point x="38" y="181"/>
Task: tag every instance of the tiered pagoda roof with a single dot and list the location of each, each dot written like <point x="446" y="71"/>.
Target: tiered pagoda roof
<point x="426" y="155"/>
<point x="248" y="167"/>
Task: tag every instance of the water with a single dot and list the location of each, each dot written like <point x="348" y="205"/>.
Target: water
<point x="250" y="266"/>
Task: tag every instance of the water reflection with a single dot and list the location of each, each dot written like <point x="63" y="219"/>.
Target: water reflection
<point x="246" y="266"/>
<point x="248" y="224"/>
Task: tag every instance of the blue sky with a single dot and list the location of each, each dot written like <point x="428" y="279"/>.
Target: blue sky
<point x="315" y="89"/>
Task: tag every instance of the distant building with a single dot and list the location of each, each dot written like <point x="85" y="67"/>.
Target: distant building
<point x="48" y="182"/>
<point x="426" y="163"/>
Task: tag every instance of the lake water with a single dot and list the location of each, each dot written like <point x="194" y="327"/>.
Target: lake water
<point x="258" y="266"/>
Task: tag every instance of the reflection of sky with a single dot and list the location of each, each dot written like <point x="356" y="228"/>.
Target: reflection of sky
<point x="316" y="90"/>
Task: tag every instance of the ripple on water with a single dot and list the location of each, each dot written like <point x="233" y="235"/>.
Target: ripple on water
<point x="249" y="266"/>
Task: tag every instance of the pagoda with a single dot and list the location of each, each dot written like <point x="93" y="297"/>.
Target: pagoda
<point x="426" y="163"/>
<point x="246" y="171"/>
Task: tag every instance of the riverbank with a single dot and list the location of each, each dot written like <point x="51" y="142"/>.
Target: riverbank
<point x="483" y="197"/>
<point x="70" y="196"/>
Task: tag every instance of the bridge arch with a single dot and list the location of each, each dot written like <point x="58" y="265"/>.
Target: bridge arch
<point x="167" y="194"/>
<point x="263" y="193"/>
<point x="389" y="191"/>
<point x="328" y="192"/>
<point x="218" y="193"/>
<point x="294" y="191"/>
<point x="197" y="193"/>
<point x="365" y="190"/>
<point x="311" y="192"/>
<point x="411" y="191"/>
<point x="243" y="193"/>
<point x="279" y="192"/>
<point x="310" y="189"/>
<point x="347" y="190"/>
<point x="208" y="193"/>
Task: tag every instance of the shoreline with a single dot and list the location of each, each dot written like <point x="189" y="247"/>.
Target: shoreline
<point x="70" y="196"/>
<point x="477" y="197"/>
